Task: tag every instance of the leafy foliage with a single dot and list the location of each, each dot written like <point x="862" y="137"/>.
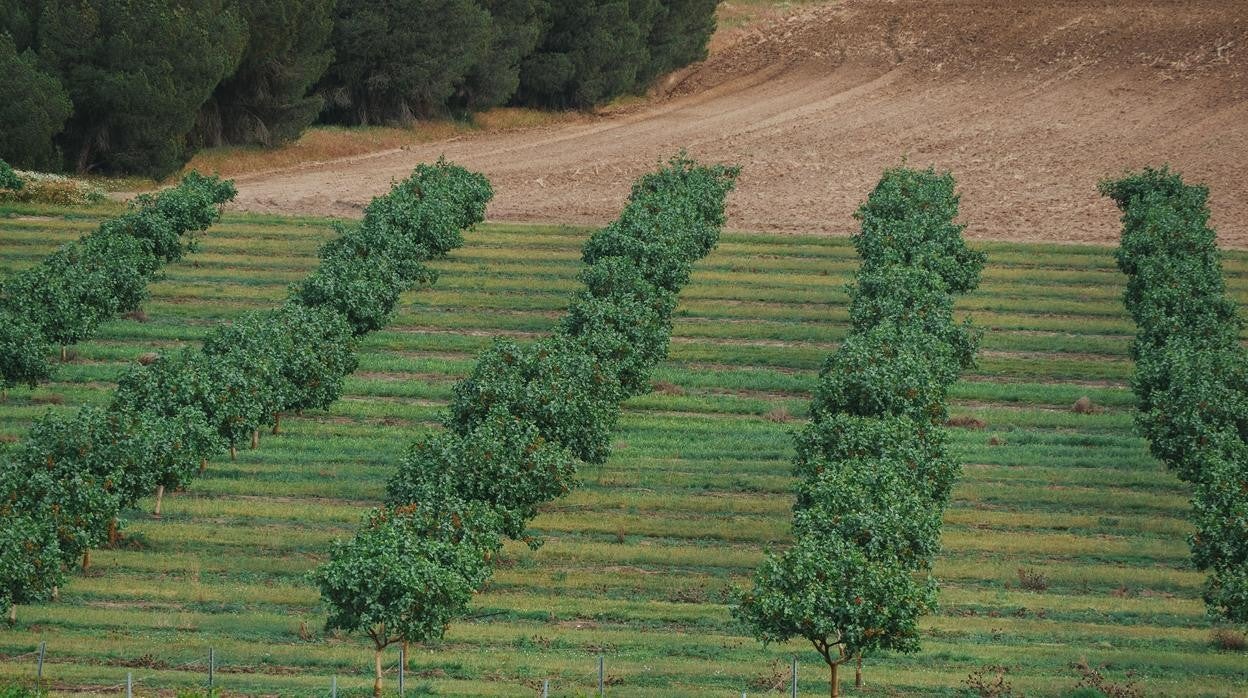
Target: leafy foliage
<point x="678" y="36"/>
<point x="843" y="600"/>
<point x="1191" y="370"/>
<point x="390" y="69"/>
<point x="874" y="468"/>
<point x="8" y="178"/>
<point x="403" y="577"/>
<point x="268" y="100"/>
<point x="135" y="86"/>
<point x="30" y="560"/>
<point x="33" y="108"/>
<point x="75" y="474"/>
<point x="519" y="425"/>
<point x="591" y="51"/>
<point x="137" y="72"/>
<point x="63" y="300"/>
<point x="364" y="269"/>
<point x="515" y="28"/>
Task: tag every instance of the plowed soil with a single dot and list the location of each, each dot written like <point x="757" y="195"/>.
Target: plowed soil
<point x="1028" y="102"/>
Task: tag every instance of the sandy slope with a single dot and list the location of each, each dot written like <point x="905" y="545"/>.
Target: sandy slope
<point x="1028" y="102"/>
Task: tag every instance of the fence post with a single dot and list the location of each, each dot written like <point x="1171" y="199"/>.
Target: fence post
<point x="333" y="688"/>
<point x="602" y="675"/>
<point x="794" y="677"/>
<point x="129" y="684"/>
<point x="43" y="646"/>
<point x="402" y="667"/>
<point x="545" y="688"/>
<point x="212" y="662"/>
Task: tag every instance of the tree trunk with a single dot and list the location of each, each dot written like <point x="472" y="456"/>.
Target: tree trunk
<point x="160" y="495"/>
<point x="203" y="465"/>
<point x="113" y="536"/>
<point x="377" y="679"/>
<point x="56" y="593"/>
<point x="84" y="154"/>
<point x="233" y="452"/>
<point x="13" y="614"/>
<point x="834" y="683"/>
<point x="86" y="560"/>
<point x="255" y="438"/>
<point x="64" y="354"/>
<point x="277" y="423"/>
<point x="858" y="673"/>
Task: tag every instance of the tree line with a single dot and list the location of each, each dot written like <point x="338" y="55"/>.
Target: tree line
<point x="521" y="423"/>
<point x="1191" y="376"/>
<point x="63" y="488"/>
<point x="63" y="299"/>
<point x="873" y="464"/>
<point x="136" y="86"/>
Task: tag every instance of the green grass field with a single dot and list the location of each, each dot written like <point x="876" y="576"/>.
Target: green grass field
<point x="637" y="563"/>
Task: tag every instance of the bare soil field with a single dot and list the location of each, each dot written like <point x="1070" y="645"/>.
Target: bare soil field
<point x="1028" y="102"/>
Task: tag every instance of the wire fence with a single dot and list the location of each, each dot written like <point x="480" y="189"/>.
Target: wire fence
<point x="210" y="666"/>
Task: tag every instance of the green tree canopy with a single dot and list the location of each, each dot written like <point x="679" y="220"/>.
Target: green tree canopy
<point x="269" y="99"/>
<point x="400" y="60"/>
<point x="33" y="108"/>
<point x="592" y="51"/>
<point x="137" y="72"/>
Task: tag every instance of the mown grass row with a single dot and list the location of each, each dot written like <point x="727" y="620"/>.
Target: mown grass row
<point x="637" y="562"/>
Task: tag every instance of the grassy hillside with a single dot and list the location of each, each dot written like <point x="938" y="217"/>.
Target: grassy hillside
<point x="637" y="563"/>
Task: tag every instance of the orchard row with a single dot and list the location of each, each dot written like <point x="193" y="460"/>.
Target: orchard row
<point x="873" y="465"/>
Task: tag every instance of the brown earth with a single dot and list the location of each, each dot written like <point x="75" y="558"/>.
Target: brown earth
<point x="1028" y="102"/>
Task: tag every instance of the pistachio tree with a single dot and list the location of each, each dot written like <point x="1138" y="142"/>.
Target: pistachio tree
<point x="873" y="465"/>
<point x="64" y="299"/>
<point x="405" y="575"/>
<point x="30" y="561"/>
<point x="1191" y="376"/>
<point x="525" y="418"/>
<point x="76" y="473"/>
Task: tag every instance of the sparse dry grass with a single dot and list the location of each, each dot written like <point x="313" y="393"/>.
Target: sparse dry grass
<point x="321" y="143"/>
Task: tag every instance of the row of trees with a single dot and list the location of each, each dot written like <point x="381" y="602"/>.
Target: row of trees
<point x="63" y="488"/>
<point x="874" y="468"/>
<point x="520" y="424"/>
<point x="137" y="85"/>
<point x="64" y="299"/>
<point x="1191" y="374"/>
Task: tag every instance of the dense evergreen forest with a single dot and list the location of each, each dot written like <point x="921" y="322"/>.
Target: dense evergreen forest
<point x="136" y="86"/>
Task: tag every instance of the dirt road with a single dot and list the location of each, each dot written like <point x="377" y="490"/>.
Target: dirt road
<point x="1028" y="102"/>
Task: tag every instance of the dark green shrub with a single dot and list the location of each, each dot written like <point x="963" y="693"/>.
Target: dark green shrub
<point x="24" y="351"/>
<point x="365" y="269"/>
<point x="64" y="298"/>
<point x="30" y="561"/>
<point x="8" y="178"/>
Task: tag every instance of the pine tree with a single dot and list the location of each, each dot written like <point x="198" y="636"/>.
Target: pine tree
<point x="137" y="72"/>
<point x="269" y="99"/>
